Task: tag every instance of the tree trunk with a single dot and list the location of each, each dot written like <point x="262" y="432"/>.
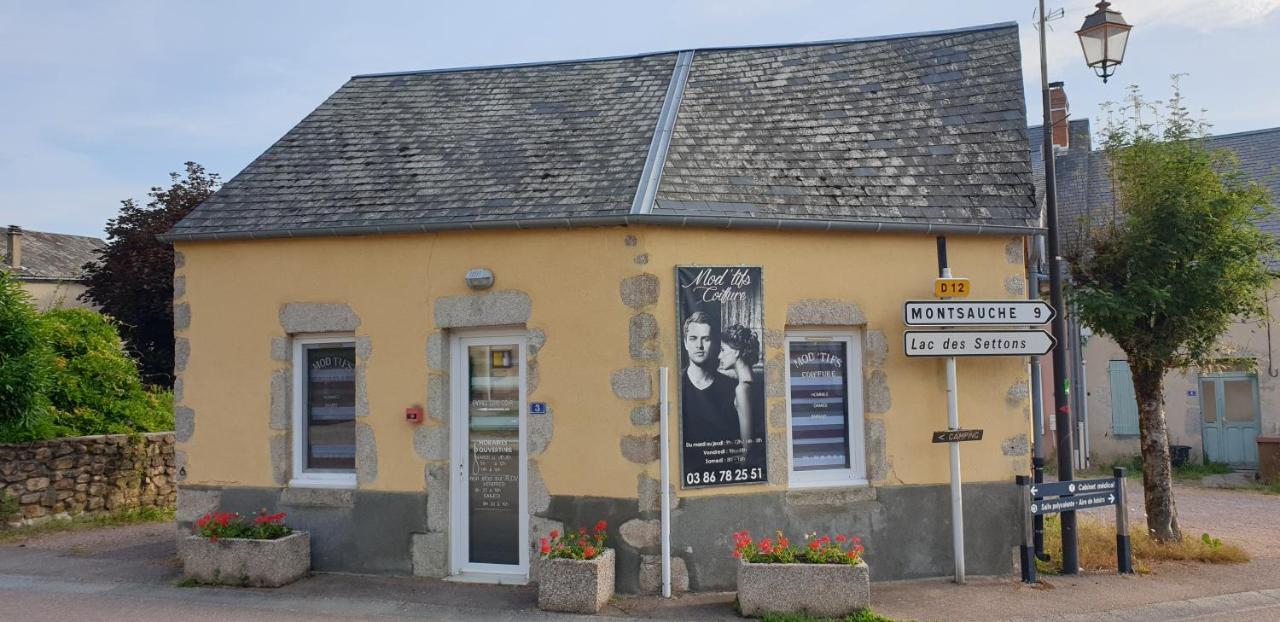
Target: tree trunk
<point x="1157" y="473"/>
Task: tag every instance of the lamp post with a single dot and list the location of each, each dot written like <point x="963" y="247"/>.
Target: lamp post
<point x="1103" y="37"/>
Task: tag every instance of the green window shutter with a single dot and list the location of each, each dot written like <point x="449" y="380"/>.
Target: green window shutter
<point x="1124" y="402"/>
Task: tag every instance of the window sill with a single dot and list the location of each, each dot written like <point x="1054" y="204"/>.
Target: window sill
<point x="830" y="494"/>
<point x="325" y="481"/>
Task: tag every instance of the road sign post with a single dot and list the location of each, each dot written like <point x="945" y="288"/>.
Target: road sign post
<point x="1124" y="549"/>
<point x="1027" y="549"/>
<point x="1073" y="495"/>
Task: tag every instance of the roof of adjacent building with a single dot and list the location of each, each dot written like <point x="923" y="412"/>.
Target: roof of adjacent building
<point x="53" y="256"/>
<point x="1084" y="186"/>
<point x="908" y="132"/>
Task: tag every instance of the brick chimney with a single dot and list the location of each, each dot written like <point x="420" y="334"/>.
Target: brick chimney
<point x="13" y="257"/>
<point x="1058" y="109"/>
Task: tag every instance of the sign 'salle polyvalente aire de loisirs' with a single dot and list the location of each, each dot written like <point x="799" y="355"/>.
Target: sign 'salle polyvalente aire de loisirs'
<point x="722" y="429"/>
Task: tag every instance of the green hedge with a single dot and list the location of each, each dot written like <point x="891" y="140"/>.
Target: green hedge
<point x="65" y="372"/>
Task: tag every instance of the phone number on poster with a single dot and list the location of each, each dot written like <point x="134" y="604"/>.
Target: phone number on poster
<point x="725" y="476"/>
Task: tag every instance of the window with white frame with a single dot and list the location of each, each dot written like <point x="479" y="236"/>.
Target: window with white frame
<point x="824" y="409"/>
<point x="324" y="409"/>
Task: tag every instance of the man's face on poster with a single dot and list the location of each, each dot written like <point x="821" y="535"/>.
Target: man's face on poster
<point x="697" y="342"/>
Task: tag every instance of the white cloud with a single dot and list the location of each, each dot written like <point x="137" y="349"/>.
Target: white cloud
<point x="1198" y="15"/>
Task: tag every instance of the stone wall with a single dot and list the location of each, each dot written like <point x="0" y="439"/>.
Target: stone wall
<point x="62" y="477"/>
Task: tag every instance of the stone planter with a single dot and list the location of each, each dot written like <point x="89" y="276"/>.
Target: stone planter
<point x="821" y="590"/>
<point x="244" y="562"/>
<point x="575" y="585"/>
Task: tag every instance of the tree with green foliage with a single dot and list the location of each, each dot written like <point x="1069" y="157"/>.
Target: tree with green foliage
<point x="132" y="280"/>
<point x="24" y="364"/>
<point x="95" y="386"/>
<point x="1181" y="258"/>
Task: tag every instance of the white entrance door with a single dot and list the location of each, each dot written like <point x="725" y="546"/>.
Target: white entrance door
<point x="490" y="538"/>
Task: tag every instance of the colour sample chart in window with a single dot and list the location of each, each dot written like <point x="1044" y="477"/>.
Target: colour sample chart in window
<point x="331" y="408"/>
<point x="819" y="405"/>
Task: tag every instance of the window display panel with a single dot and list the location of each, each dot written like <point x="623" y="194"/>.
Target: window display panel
<point x="330" y="416"/>
<point x="819" y="405"/>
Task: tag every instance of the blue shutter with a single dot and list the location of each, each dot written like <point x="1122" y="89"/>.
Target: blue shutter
<point x="1124" y="403"/>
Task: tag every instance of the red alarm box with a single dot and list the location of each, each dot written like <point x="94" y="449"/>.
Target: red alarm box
<point x="413" y="414"/>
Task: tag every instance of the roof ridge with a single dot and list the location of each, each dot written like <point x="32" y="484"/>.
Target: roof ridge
<point x="656" y="159"/>
<point x="720" y="48"/>
<point x="1264" y="130"/>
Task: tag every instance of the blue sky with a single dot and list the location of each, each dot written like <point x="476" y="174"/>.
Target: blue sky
<point x="101" y="100"/>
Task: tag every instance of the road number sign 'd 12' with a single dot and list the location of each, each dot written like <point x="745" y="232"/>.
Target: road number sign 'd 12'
<point x="951" y="288"/>
<point x="977" y="342"/>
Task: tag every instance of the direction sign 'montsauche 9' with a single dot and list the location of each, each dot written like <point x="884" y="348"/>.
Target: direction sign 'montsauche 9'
<point x="976" y="312"/>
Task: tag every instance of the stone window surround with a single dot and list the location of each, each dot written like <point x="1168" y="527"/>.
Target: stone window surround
<point x="298" y="476"/>
<point x="307" y="321"/>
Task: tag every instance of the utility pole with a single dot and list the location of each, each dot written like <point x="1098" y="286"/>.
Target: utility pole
<point x="1061" y="403"/>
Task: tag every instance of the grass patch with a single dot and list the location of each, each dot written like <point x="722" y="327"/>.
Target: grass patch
<point x="863" y="615"/>
<point x="1097" y="547"/>
<point x="1190" y="472"/>
<point x="118" y="518"/>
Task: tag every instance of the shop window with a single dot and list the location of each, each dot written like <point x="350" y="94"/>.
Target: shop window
<point x="324" y="408"/>
<point x="824" y="410"/>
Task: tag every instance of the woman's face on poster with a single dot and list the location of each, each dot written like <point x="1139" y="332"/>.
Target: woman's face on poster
<point x="728" y="356"/>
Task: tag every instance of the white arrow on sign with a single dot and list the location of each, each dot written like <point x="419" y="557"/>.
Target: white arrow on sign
<point x="975" y="312"/>
<point x="1111" y="498"/>
<point x="977" y="342"/>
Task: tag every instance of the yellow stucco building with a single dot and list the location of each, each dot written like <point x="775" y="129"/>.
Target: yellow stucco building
<point x="431" y="322"/>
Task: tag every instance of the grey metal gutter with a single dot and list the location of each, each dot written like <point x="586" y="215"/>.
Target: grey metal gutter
<point x="662" y="220"/>
<point x="651" y="174"/>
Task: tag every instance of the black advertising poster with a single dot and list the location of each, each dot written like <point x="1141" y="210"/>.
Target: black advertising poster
<point x="720" y="310"/>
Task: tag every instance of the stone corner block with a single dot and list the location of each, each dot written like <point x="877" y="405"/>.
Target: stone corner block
<point x="877" y="392"/>
<point x="639" y="291"/>
<point x="184" y="423"/>
<point x="431" y="442"/>
<point x="181" y="316"/>
<point x="632" y="383"/>
<point x="366" y="454"/>
<point x="181" y="353"/>
<point x="875" y="349"/>
<point x="1016" y="445"/>
<point x="649" y="494"/>
<point x="501" y="308"/>
<point x="308" y="317"/>
<point x="194" y="503"/>
<point x="651" y="574"/>
<point x="640" y="534"/>
<point x="640" y="449"/>
<point x="430" y="552"/>
<point x="824" y="312"/>
<point x="645" y="415"/>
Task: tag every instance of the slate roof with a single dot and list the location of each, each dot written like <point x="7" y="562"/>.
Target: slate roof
<point x="1084" y="186"/>
<point x="53" y="256"/>
<point x="922" y="132"/>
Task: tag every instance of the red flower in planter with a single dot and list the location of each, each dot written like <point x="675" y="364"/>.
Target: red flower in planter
<point x="545" y="547"/>
<point x="600" y="526"/>
<point x="555" y="534"/>
<point x="588" y="552"/>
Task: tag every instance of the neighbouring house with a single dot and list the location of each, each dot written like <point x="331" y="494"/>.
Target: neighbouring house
<point x="430" y="321"/>
<point x="50" y="266"/>
<point x="1217" y="414"/>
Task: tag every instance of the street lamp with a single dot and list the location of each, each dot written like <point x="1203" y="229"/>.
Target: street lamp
<point x="1103" y="37"/>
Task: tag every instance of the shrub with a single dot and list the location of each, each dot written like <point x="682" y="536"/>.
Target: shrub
<point x="24" y="366"/>
<point x="580" y="545"/>
<point x="96" y="388"/>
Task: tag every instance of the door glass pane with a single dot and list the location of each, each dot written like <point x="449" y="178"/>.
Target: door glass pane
<point x="1208" y="402"/>
<point x="819" y="405"/>
<point x="1237" y="396"/>
<point x="493" y="454"/>
<point x="331" y="408"/>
